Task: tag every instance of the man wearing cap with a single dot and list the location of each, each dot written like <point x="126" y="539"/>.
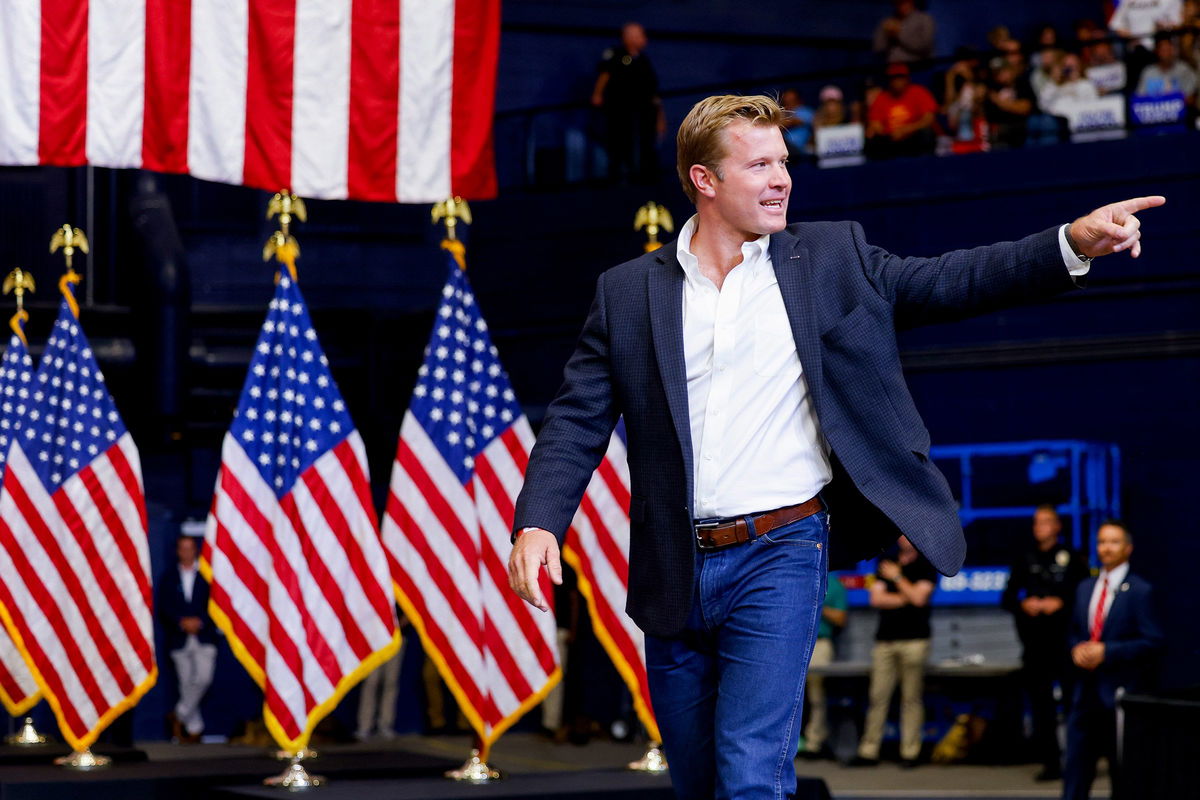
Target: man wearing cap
<point x="755" y="365"/>
<point x="900" y="120"/>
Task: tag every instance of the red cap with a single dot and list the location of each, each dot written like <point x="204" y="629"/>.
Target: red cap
<point x="897" y="68"/>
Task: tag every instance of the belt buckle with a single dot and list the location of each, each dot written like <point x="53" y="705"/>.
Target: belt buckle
<point x="697" y="527"/>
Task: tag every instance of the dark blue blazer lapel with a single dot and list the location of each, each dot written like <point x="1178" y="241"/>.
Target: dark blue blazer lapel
<point x="665" y="287"/>
<point x="792" y="265"/>
<point x="1119" y="604"/>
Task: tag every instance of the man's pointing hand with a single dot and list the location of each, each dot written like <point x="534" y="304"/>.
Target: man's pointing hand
<point x="1112" y="228"/>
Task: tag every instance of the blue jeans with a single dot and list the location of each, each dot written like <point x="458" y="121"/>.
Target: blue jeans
<point x="728" y="691"/>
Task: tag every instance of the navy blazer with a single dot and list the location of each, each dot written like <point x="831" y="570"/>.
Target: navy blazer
<point x="172" y="607"/>
<point x="845" y="300"/>
<point x="1132" y="639"/>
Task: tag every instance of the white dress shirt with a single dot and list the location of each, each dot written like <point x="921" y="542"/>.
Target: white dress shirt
<point x="187" y="577"/>
<point x="756" y="442"/>
<point x="1114" y="579"/>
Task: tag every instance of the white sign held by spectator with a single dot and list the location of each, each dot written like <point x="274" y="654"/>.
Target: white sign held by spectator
<point x="1103" y="118"/>
<point x="840" y="145"/>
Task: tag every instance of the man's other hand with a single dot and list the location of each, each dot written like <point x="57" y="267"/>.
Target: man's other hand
<point x="1112" y="228"/>
<point x="535" y="548"/>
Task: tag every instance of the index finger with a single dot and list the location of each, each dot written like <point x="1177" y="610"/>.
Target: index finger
<point x="1136" y="204"/>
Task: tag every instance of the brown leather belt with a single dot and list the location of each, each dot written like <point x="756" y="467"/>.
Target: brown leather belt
<point x="734" y="530"/>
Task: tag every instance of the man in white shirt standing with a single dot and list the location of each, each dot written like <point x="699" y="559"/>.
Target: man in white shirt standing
<point x="756" y="368"/>
<point x="182" y="606"/>
<point x="1115" y="637"/>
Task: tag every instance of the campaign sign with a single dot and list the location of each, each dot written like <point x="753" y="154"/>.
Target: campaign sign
<point x="1158" y="110"/>
<point x="972" y="586"/>
<point x="840" y="145"/>
<point x="1102" y="118"/>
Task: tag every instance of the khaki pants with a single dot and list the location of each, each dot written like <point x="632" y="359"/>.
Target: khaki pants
<point x="817" y="729"/>
<point x="902" y="661"/>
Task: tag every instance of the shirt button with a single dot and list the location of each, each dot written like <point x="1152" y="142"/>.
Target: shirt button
<point x="721" y="367"/>
<point x="708" y="456"/>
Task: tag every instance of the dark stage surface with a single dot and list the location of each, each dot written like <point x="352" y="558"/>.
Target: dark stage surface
<point x="412" y="766"/>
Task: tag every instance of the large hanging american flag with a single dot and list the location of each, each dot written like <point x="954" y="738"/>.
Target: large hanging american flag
<point x="299" y="580"/>
<point x="367" y="99"/>
<point x="464" y="445"/>
<point x="18" y="689"/>
<point x="597" y="548"/>
<point x="74" y="561"/>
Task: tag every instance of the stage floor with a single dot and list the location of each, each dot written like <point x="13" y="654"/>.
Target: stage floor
<point x="411" y="766"/>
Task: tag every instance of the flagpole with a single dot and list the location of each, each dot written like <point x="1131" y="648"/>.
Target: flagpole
<point x="283" y="247"/>
<point x="451" y="212"/>
<point x="654" y="217"/>
<point x="19" y="282"/>
<point x="69" y="240"/>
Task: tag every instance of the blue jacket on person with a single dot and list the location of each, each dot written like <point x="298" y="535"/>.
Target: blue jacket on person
<point x="845" y="300"/>
<point x="1132" y="639"/>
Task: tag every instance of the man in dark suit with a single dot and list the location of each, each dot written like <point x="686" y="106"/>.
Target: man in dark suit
<point x="190" y="637"/>
<point x="723" y="350"/>
<point x="1115" y="638"/>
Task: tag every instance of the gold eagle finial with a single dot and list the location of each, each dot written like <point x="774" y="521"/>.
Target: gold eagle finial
<point x="69" y="239"/>
<point x="282" y="245"/>
<point x="451" y="210"/>
<point x="654" y="217"/>
<point x="19" y="281"/>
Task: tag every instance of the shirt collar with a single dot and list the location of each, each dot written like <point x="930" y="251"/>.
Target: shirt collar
<point x="1116" y="576"/>
<point x="753" y="253"/>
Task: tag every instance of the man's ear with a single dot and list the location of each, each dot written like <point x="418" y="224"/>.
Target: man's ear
<point x="704" y="179"/>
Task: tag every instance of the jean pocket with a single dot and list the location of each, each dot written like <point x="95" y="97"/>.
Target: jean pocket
<point x="808" y="532"/>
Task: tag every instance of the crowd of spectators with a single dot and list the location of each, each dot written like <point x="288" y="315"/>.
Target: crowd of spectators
<point x="1010" y="94"/>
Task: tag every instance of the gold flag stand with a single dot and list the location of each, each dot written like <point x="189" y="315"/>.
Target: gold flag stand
<point x="653" y="761"/>
<point x="70" y="239"/>
<point x="26" y="736"/>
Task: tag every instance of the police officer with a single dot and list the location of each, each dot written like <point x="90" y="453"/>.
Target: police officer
<point x="1040" y="590"/>
<point x="627" y="92"/>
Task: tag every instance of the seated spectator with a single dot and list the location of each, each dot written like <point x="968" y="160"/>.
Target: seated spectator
<point x="1168" y="75"/>
<point x="906" y="35"/>
<point x="798" y="127"/>
<point x="998" y="37"/>
<point x="1068" y="87"/>
<point x="1043" y="74"/>
<point x="900" y="119"/>
<point x="1008" y="106"/>
<point x="1103" y="69"/>
<point x="963" y="107"/>
<point x="1045" y="47"/>
<point x="1189" y="34"/>
<point x="832" y="110"/>
<point x="1142" y="19"/>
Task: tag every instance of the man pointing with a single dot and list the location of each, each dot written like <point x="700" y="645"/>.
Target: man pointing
<point x="756" y="367"/>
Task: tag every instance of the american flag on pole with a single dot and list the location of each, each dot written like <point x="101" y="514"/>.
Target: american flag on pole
<point x="18" y="690"/>
<point x="74" y="561"/>
<point x="299" y="580"/>
<point x="464" y="445"/>
<point x="597" y="548"/>
<point x="366" y="99"/>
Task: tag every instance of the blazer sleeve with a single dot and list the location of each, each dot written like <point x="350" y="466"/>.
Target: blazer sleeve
<point x="1149" y="638"/>
<point x="575" y="434"/>
<point x="964" y="283"/>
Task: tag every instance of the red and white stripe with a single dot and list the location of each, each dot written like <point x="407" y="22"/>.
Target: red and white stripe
<point x="18" y="690"/>
<point x="300" y="584"/>
<point x="449" y="544"/>
<point x="597" y="548"/>
<point x="386" y="100"/>
<point x="75" y="586"/>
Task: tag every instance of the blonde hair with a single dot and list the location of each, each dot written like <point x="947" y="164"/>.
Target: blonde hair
<point x="699" y="140"/>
